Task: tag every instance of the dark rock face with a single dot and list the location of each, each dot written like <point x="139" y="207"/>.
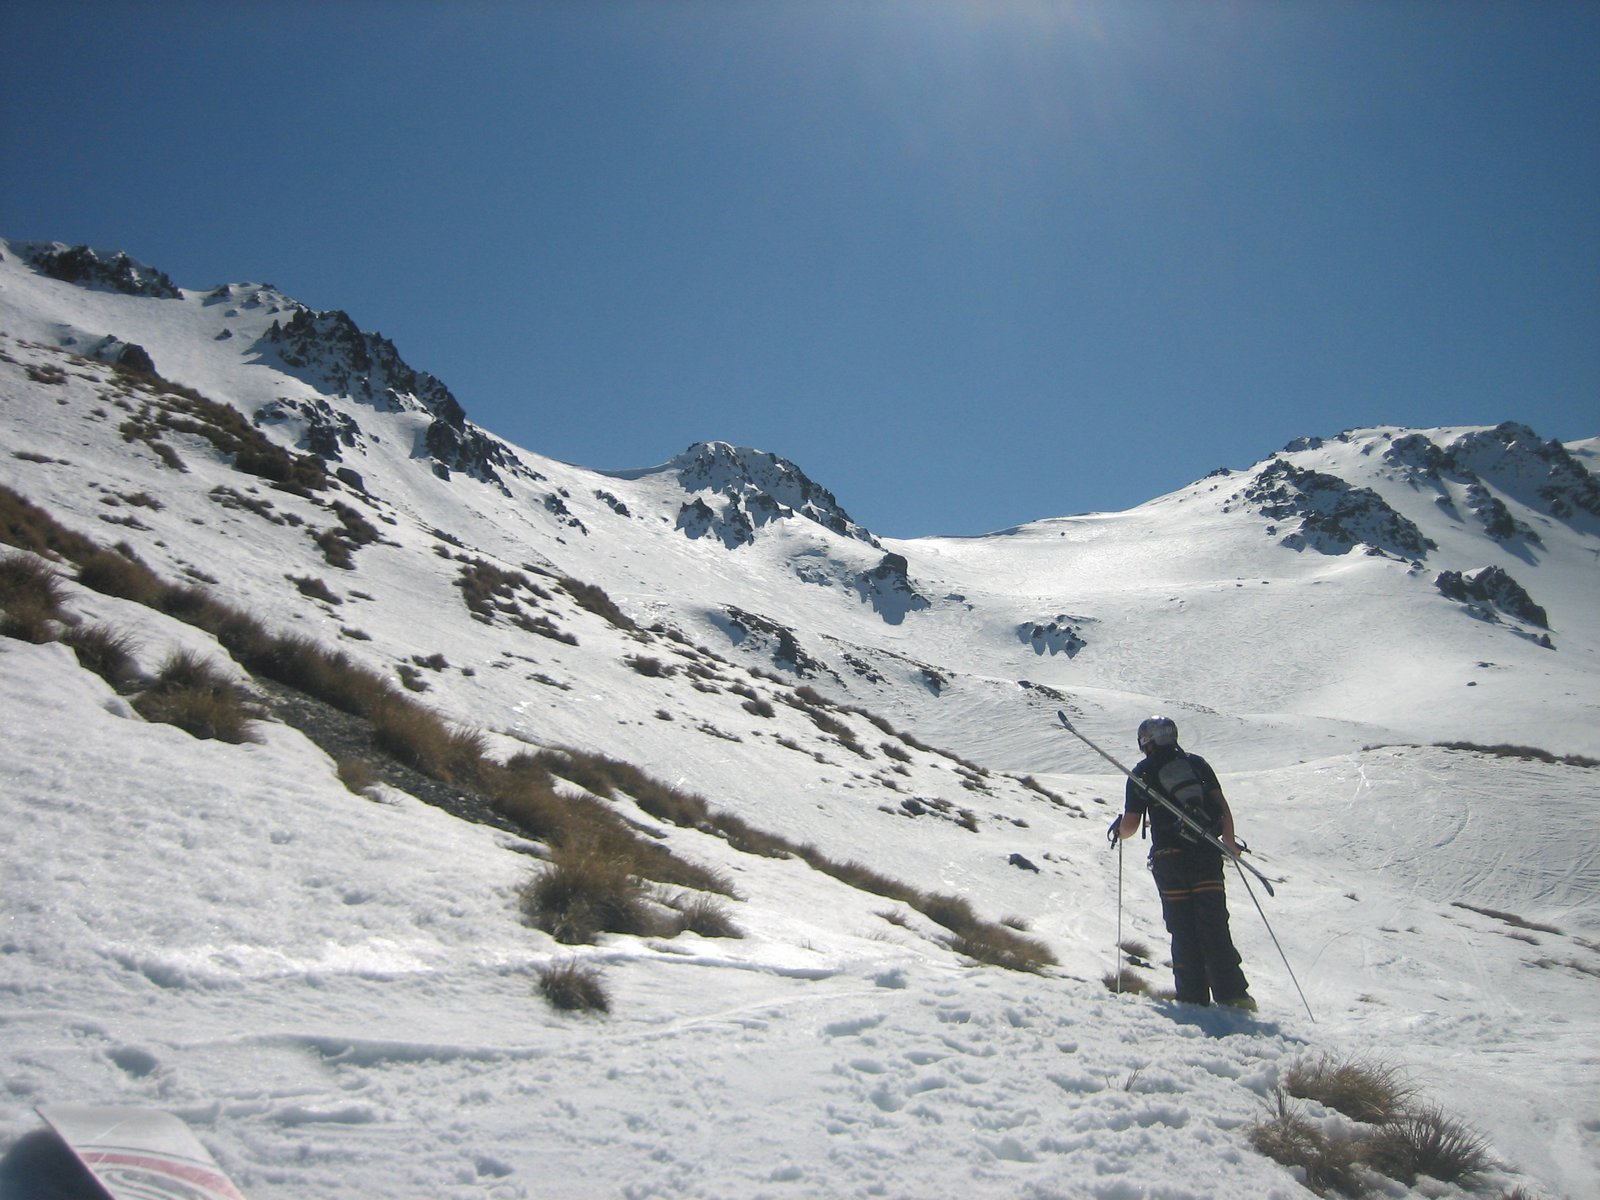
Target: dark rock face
<point x="1512" y="460"/>
<point x="1490" y="591"/>
<point x="104" y="272"/>
<point x="888" y="588"/>
<point x="330" y="352"/>
<point x="1332" y="515"/>
<point x="752" y="489"/>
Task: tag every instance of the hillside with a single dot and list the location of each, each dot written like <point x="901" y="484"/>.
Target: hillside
<point x="339" y="992"/>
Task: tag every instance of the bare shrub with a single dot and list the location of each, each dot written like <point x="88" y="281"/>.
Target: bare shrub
<point x="1362" y="1090"/>
<point x="1424" y="1141"/>
<point x="648" y="666"/>
<point x="574" y="986"/>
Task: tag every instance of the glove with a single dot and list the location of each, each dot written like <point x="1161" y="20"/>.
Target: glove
<point x="1114" y="834"/>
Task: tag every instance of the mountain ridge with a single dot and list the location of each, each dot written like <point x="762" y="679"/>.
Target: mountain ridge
<point x="556" y="609"/>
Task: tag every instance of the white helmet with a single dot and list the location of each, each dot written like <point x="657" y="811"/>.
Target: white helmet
<point x="1157" y="731"/>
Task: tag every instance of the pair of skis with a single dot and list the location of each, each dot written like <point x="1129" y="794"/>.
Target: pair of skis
<point x="1188" y="822"/>
<point x="1210" y="838"/>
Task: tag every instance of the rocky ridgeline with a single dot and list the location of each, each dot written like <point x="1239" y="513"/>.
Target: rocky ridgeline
<point x="103" y="272"/>
<point x="1513" y="459"/>
<point x="333" y="354"/>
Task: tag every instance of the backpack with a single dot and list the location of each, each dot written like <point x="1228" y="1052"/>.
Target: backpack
<point x="1178" y="781"/>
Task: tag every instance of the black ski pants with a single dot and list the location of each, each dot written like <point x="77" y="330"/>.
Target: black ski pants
<point x="1205" y="965"/>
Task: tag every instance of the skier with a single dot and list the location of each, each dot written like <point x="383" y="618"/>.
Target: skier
<point x="1188" y="870"/>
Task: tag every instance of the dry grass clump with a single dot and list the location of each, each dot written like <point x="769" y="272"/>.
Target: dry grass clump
<point x="108" y="652"/>
<point x="423" y="740"/>
<point x="589" y="888"/>
<point x="574" y="986"/>
<point x="113" y="573"/>
<point x="1126" y="982"/>
<point x="1361" y="1089"/>
<point x="1391" y="1136"/>
<point x="359" y="775"/>
<point x="1424" y="1141"/>
<point x="31" y="599"/>
<point x="593" y="598"/>
<point x="705" y="915"/>
<point x="1329" y="1162"/>
<point x="198" y="697"/>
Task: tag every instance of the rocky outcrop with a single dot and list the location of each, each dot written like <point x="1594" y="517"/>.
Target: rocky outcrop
<point x="336" y="357"/>
<point x="1330" y="515"/>
<point x="1060" y="635"/>
<point x="739" y="490"/>
<point x="1511" y="460"/>
<point x="1489" y="592"/>
<point x="888" y="588"/>
<point x="92" y="269"/>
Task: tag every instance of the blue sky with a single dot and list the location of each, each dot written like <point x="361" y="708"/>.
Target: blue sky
<point x="967" y="263"/>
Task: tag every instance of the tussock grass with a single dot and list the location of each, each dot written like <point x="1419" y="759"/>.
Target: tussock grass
<point x="359" y="775"/>
<point x="589" y="888"/>
<point x="1127" y="982"/>
<point x="1330" y="1163"/>
<point x="30" y="597"/>
<point x="426" y="742"/>
<point x="122" y="575"/>
<point x="199" y="698"/>
<point x="574" y="986"/>
<point x="108" y="652"/>
<point x="1361" y="1089"/>
<point x="1391" y="1134"/>
<point x="1425" y="1141"/>
<point x="705" y="915"/>
<point x="594" y="598"/>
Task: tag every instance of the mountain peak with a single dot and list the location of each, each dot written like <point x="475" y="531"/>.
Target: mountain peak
<point x="751" y="488"/>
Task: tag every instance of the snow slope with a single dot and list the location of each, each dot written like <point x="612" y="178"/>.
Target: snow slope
<point x="338" y="994"/>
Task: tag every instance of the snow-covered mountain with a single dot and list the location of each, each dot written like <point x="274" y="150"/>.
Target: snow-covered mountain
<point x="339" y="993"/>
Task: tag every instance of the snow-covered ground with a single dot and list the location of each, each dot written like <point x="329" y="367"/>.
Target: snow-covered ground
<point x="337" y="992"/>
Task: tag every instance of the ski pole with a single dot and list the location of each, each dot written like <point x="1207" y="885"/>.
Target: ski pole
<point x="1116" y="958"/>
<point x="1251" y="892"/>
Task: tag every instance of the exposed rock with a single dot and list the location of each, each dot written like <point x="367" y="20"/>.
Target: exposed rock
<point x="1334" y="516"/>
<point x="778" y="640"/>
<point x="91" y="269"/>
<point x="755" y="489"/>
<point x="1056" y="636"/>
<point x="330" y="352"/>
<point x="888" y="588"/>
<point x="1490" y="590"/>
